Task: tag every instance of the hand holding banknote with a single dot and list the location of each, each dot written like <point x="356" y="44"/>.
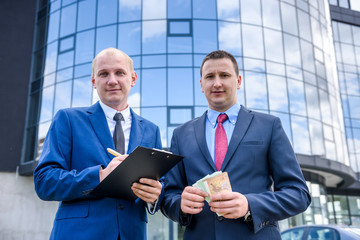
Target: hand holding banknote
<point x="192" y="200"/>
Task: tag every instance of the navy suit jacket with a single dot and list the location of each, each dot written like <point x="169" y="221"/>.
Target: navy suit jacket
<point x="68" y="169"/>
<point x="261" y="164"/>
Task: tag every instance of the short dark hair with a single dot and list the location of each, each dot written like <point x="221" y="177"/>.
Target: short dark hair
<point x="219" y="54"/>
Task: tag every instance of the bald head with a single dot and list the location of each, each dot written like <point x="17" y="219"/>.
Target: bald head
<point x="110" y="52"/>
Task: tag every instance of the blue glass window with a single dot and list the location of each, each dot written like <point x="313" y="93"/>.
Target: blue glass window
<point x="86" y="14"/>
<point x="307" y="56"/>
<point x="129" y="10"/>
<point x="53" y="29"/>
<point x="179" y="27"/>
<point x="65" y="60"/>
<point x="153" y="61"/>
<point x="205" y="36"/>
<point x="288" y="18"/>
<point x="153" y="87"/>
<point x="62" y="95"/>
<point x="66" y="44"/>
<point x="278" y="99"/>
<point x="51" y="58"/>
<point x="106" y="12"/>
<point x="180" y="86"/>
<point x="228" y="10"/>
<point x="154" y="37"/>
<point x="158" y="116"/>
<point x="200" y="5"/>
<point x="47" y="101"/>
<point x="105" y="38"/>
<point x="64" y="75"/>
<point x="304" y="25"/>
<point x="68" y="20"/>
<point x="83" y="70"/>
<point x="316" y="136"/>
<point x="129" y="38"/>
<point x="230" y="38"/>
<point x="271" y="14"/>
<point x="292" y="50"/>
<point x="179" y="9"/>
<point x="154" y="9"/>
<point x="274" y="49"/>
<point x="82" y="90"/>
<point x="296" y="97"/>
<point x="253" y="41"/>
<point x="300" y="135"/>
<point x="179" y="44"/>
<point x="251" y="11"/>
<point x="179" y="115"/>
<point x="256" y="91"/>
<point x="84" y="47"/>
<point x="180" y="60"/>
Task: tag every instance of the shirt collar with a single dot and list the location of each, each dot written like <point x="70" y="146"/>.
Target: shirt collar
<point x="110" y="112"/>
<point x="232" y="113"/>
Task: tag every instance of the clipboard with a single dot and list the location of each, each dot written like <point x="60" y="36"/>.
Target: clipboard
<point x="141" y="163"/>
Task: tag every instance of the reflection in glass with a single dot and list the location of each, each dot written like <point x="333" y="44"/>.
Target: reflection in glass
<point x="153" y="87"/>
<point x="179" y="9"/>
<point x="154" y="61"/>
<point x="325" y="107"/>
<point x="179" y="27"/>
<point x="292" y="50"/>
<point x="180" y="115"/>
<point x="83" y="70"/>
<point x="256" y="92"/>
<point x="200" y="5"/>
<point x="253" y="41"/>
<point x="274" y="49"/>
<point x="154" y="37"/>
<point x="64" y="75"/>
<point x="307" y="56"/>
<point x="316" y="136"/>
<point x="254" y="65"/>
<point x="288" y="17"/>
<point x="106" y="12"/>
<point x="154" y="9"/>
<point x="304" y="25"/>
<point x="179" y="44"/>
<point x="251" y="11"/>
<point x="51" y="58"/>
<point x="296" y="97"/>
<point x="300" y="135"/>
<point x="84" y="51"/>
<point x="158" y="116"/>
<point x="277" y="93"/>
<point x="68" y="20"/>
<point x="228" y="10"/>
<point x="66" y="44"/>
<point x="205" y="36"/>
<point x="62" y="95"/>
<point x="86" y="15"/>
<point x="47" y="100"/>
<point x="180" y="60"/>
<point x="105" y="38"/>
<point x="129" y="10"/>
<point x="230" y="37"/>
<point x="316" y="32"/>
<point x="129" y="39"/>
<point x="312" y="101"/>
<point x="275" y="68"/>
<point x="53" y="29"/>
<point x="49" y="80"/>
<point x="271" y="14"/>
<point x="180" y="87"/>
<point x="65" y="60"/>
<point x="82" y="92"/>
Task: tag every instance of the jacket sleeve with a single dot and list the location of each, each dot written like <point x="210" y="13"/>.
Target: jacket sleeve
<point x="53" y="177"/>
<point x="290" y="195"/>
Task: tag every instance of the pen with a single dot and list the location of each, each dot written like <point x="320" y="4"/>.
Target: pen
<point x="113" y="152"/>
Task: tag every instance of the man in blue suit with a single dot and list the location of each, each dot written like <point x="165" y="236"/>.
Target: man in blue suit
<point x="74" y="159"/>
<point x="266" y="180"/>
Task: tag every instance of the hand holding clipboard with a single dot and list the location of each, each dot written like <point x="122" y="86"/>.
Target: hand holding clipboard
<point x="141" y="163"/>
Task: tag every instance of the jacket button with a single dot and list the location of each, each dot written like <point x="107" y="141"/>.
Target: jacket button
<point x="121" y="207"/>
<point x="220" y="218"/>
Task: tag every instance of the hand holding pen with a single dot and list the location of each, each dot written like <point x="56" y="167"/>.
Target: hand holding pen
<point x="113" y="164"/>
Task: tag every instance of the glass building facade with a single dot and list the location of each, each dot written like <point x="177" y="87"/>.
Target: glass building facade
<point x="295" y="61"/>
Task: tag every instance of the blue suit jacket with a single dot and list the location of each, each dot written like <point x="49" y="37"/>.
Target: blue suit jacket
<point x="261" y="165"/>
<point x="74" y="150"/>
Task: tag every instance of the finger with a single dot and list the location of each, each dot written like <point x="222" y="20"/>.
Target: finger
<point x="144" y="195"/>
<point x="150" y="182"/>
<point x="194" y="191"/>
<point x="121" y="157"/>
<point x="224" y="196"/>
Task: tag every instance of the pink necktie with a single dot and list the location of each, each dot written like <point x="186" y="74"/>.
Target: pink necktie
<point x="221" y="145"/>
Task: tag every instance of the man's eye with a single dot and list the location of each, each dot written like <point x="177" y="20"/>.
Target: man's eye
<point x="103" y="74"/>
<point x="120" y="73"/>
<point x="209" y="76"/>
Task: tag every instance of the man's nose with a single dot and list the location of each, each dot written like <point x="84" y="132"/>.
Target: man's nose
<point x="217" y="81"/>
<point x="112" y="79"/>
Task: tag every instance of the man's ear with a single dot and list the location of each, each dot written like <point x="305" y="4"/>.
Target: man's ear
<point x="93" y="80"/>
<point x="239" y="82"/>
<point x="133" y="78"/>
<point x="202" y="90"/>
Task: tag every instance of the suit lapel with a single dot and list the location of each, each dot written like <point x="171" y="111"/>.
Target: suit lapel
<point x="200" y="135"/>
<point x="99" y="123"/>
<point x="242" y="124"/>
<point x="136" y="132"/>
